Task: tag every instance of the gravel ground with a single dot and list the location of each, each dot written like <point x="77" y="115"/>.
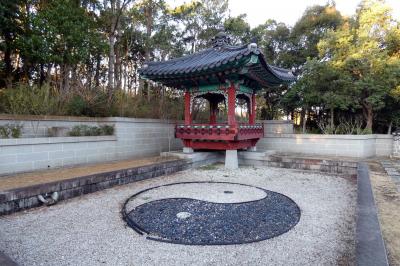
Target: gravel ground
<point x="215" y="193"/>
<point x="89" y="230"/>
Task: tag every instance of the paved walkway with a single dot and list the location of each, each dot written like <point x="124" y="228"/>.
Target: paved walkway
<point x="48" y="176"/>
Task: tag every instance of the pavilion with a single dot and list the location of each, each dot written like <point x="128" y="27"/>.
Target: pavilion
<point x="221" y="73"/>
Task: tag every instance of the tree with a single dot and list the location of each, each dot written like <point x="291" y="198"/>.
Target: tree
<point x="274" y="39"/>
<point x="9" y="31"/>
<point x="320" y="86"/>
<point x="238" y="29"/>
<point x="310" y="29"/>
<point x="359" y="50"/>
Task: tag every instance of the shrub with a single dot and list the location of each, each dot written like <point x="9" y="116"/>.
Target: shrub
<point x="107" y="130"/>
<point x="34" y="100"/>
<point x="11" y="130"/>
<point x="85" y="130"/>
<point x="77" y="106"/>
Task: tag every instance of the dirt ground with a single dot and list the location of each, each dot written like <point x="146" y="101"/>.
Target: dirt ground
<point x="387" y="199"/>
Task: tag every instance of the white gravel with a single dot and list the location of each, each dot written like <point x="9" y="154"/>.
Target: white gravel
<point x="211" y="192"/>
<point x="89" y="230"/>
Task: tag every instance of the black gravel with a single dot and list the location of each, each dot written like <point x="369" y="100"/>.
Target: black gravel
<point x="215" y="223"/>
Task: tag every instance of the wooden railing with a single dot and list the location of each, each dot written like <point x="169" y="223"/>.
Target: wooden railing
<point x="219" y="131"/>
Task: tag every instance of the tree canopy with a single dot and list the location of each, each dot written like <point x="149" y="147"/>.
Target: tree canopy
<point x="85" y="56"/>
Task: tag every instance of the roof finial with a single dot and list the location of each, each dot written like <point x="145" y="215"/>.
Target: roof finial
<point x="221" y="38"/>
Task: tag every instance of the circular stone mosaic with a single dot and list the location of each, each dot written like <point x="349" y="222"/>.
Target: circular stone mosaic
<point x="203" y="213"/>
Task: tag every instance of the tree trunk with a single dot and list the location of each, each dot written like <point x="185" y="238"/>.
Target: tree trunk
<point x="148" y="12"/>
<point x="117" y="70"/>
<point x="302" y="119"/>
<point x="332" y="117"/>
<point x="368" y="115"/>
<point x="7" y="61"/>
<point x="390" y="128"/>
<point x="111" y="53"/>
<point x="111" y="60"/>
<point x="97" y="73"/>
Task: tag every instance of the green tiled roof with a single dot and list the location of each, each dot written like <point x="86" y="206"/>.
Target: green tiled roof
<point x="216" y="65"/>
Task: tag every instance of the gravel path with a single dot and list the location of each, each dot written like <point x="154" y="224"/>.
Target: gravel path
<point x="89" y="230"/>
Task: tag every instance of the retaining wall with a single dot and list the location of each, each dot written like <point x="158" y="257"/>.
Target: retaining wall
<point x="358" y="146"/>
<point x="134" y="138"/>
<point x="277" y="127"/>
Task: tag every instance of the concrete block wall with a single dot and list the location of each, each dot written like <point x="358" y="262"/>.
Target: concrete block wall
<point x="38" y="126"/>
<point x="277" y="127"/>
<point x="396" y="147"/>
<point x="358" y="146"/>
<point x="134" y="138"/>
<point x="19" y="155"/>
<point x="384" y="145"/>
<point x="144" y="137"/>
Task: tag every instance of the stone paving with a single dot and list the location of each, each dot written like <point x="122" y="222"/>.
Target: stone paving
<point x="392" y="168"/>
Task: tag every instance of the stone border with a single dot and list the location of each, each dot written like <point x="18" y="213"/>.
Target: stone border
<point x="300" y="162"/>
<point x="6" y="260"/>
<point x="370" y="247"/>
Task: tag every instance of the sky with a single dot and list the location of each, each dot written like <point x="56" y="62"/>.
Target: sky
<point x="287" y="11"/>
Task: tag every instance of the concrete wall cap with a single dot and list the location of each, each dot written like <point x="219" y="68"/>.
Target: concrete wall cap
<point x="53" y="140"/>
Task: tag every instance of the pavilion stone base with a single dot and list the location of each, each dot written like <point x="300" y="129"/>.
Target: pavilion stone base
<point x="197" y="158"/>
<point x="231" y="159"/>
<point x="187" y="150"/>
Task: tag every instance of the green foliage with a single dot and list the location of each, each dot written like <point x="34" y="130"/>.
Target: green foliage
<point x="24" y="99"/>
<point x="10" y="130"/>
<point x="85" y="130"/>
<point x="358" y="51"/>
<point x="90" y="104"/>
<point x="238" y="29"/>
<point x="107" y="130"/>
<point x="77" y="106"/>
<point x="56" y="59"/>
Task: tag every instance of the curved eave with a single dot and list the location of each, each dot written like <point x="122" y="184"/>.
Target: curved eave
<point x="226" y="62"/>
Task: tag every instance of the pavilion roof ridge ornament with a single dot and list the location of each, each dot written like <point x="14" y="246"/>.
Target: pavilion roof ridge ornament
<point x="221" y="39"/>
<point x="217" y="63"/>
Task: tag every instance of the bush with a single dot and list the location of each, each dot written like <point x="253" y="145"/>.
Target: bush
<point x="85" y="130"/>
<point x="345" y="127"/>
<point x="31" y="100"/>
<point x="107" y="130"/>
<point x="89" y="104"/>
<point x="10" y="130"/>
<point x="77" y="106"/>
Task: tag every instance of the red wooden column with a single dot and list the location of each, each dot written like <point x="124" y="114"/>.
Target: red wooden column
<point x="188" y="115"/>
<point x="231" y="105"/>
<point x="252" y="116"/>
<point x="213" y="112"/>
